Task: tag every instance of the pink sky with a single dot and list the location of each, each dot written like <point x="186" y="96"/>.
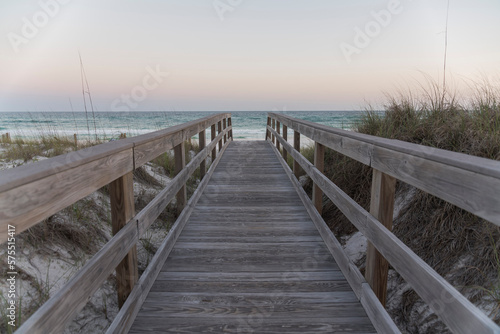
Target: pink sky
<point x="237" y="55"/>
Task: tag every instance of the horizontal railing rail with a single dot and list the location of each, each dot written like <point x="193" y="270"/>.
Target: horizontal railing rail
<point x="70" y="177"/>
<point x="471" y="183"/>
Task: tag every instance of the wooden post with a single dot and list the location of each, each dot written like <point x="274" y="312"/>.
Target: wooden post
<point x="296" y="145"/>
<point x="224" y="128"/>
<point x="180" y="162"/>
<point x="219" y="130"/>
<point x="202" y="143"/>
<point x="278" y="130"/>
<point x="268" y="124"/>
<point x="76" y="140"/>
<point x="285" y="137"/>
<point x="273" y="125"/>
<point x="212" y="135"/>
<point x="319" y="162"/>
<point x="230" y="124"/>
<point x="382" y="208"/>
<point x="121" y="193"/>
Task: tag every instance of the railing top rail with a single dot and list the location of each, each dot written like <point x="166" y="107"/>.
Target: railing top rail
<point x="21" y="175"/>
<point x="472" y="163"/>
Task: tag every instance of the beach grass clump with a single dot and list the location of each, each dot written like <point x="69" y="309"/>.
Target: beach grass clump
<point x="167" y="162"/>
<point x="47" y="145"/>
<point x="460" y="246"/>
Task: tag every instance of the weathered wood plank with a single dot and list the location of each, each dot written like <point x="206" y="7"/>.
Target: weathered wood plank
<point x="341" y="287"/>
<point x="28" y="173"/>
<point x="260" y="322"/>
<point x="278" y="130"/>
<point x="121" y="193"/>
<point x="382" y="208"/>
<point x="471" y="191"/>
<point x="252" y="239"/>
<point x="273" y="125"/>
<point x="230" y="125"/>
<point x="319" y="162"/>
<point x="268" y="124"/>
<point x="228" y="223"/>
<point x="180" y="163"/>
<point x="219" y="130"/>
<point x="202" y="143"/>
<point x="285" y="137"/>
<point x="27" y="204"/>
<point x="153" y="309"/>
<point x="212" y="136"/>
<point x="333" y="275"/>
<point x="269" y="297"/>
<point x="253" y="233"/>
<point x="296" y="145"/>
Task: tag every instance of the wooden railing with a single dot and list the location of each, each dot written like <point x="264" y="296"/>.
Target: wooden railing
<point x="468" y="182"/>
<point x="31" y="193"/>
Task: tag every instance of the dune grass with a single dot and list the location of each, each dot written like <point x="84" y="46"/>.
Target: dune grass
<point x="44" y="144"/>
<point x="458" y="245"/>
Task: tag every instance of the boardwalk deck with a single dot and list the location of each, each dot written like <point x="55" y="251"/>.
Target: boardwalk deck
<point x="250" y="260"/>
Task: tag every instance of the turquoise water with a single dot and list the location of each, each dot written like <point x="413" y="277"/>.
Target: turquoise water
<point x="247" y="125"/>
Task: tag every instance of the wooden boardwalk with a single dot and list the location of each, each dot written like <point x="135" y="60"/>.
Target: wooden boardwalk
<point x="250" y="260"/>
<point x="250" y="253"/>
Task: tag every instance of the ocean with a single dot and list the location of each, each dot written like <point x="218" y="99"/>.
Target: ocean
<point x="247" y="125"/>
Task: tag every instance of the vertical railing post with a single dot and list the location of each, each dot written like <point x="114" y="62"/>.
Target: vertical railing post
<point x="230" y="124"/>
<point x="319" y="162"/>
<point x="224" y="128"/>
<point x="121" y="193"/>
<point x="278" y="126"/>
<point x="212" y="136"/>
<point x="285" y="137"/>
<point x="219" y="130"/>
<point x="180" y="163"/>
<point x="296" y="146"/>
<point x="273" y="125"/>
<point x="202" y="143"/>
<point x="268" y="124"/>
<point x="382" y="208"/>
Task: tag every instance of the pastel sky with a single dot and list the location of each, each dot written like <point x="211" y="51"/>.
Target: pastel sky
<point x="229" y="55"/>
